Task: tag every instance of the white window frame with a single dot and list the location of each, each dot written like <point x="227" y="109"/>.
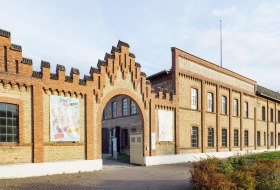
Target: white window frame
<point x="210" y="101"/>
<point x="224" y="105"/>
<point x="235" y="107"/>
<point x="194" y="99"/>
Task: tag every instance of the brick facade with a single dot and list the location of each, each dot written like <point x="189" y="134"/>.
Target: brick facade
<point x="120" y="76"/>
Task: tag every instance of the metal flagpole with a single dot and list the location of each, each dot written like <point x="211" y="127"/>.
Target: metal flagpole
<point x="221" y="43"/>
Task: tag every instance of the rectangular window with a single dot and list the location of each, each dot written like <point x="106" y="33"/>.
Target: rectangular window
<point x="8" y="123"/>
<point x="16" y="66"/>
<point x="263" y="113"/>
<point x="235" y="107"/>
<point x="5" y="59"/>
<point x="246" y="138"/>
<point x="264" y="139"/>
<point x="271" y="139"/>
<point x="124" y="107"/>
<point x="224" y="137"/>
<point x="133" y="109"/>
<point x="271" y="115"/>
<point x="114" y="109"/>
<point x="210" y="102"/>
<point x="224" y="105"/>
<point x="194" y="99"/>
<point x="278" y="116"/>
<point x="258" y="138"/>
<point x="194" y="137"/>
<point x="278" y="138"/>
<point x="236" y="138"/>
<point x="210" y="137"/>
<point x="246" y="110"/>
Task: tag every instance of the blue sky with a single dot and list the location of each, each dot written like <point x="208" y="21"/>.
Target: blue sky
<point x="78" y="33"/>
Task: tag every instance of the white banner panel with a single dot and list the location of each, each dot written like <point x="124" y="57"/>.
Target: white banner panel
<point x="165" y="125"/>
<point x="153" y="141"/>
<point x="64" y="119"/>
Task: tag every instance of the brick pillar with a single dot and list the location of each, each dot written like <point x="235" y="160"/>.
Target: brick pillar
<point x="267" y="125"/>
<point x="218" y="132"/>
<point x="241" y="121"/>
<point x="255" y="128"/>
<point x="202" y="115"/>
<point x="38" y="124"/>
<point x="230" y="119"/>
<point x="89" y="126"/>
<point x="152" y="126"/>
<point x="275" y="124"/>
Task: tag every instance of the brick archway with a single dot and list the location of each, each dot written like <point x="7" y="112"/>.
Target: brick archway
<point x="142" y="112"/>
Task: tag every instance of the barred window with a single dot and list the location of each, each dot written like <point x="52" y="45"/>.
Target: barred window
<point x="271" y="139"/>
<point x="235" y="107"/>
<point x="194" y="137"/>
<point x="133" y="109"/>
<point x="210" y="137"/>
<point x="263" y="113"/>
<point x="194" y="99"/>
<point x="258" y="138"/>
<point x="210" y="102"/>
<point x="124" y="107"/>
<point x="246" y="138"/>
<point x="236" y="138"/>
<point x="9" y="123"/>
<point x="224" y="137"/>
<point x="224" y="105"/>
<point x="278" y="138"/>
<point x="271" y="115"/>
<point x="246" y="110"/>
<point x="114" y="109"/>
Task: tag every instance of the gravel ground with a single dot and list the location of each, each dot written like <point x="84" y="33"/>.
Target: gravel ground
<point x="115" y="176"/>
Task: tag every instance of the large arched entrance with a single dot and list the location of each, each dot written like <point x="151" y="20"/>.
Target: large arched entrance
<point x="122" y="126"/>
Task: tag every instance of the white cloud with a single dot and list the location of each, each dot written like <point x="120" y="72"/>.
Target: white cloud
<point x="230" y="11"/>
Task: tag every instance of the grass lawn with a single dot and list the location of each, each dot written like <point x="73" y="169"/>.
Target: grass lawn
<point x="275" y="155"/>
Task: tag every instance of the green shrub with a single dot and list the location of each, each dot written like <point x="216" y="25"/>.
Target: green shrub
<point x="243" y="180"/>
<point x="236" y="174"/>
<point x="208" y="174"/>
<point x="266" y="173"/>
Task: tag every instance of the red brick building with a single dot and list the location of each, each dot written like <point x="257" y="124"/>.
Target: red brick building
<point x="53" y="122"/>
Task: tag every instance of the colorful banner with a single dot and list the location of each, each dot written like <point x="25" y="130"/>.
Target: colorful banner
<point x="64" y="119"/>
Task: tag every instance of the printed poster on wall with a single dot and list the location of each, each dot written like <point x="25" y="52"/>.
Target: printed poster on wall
<point x="64" y="119"/>
<point x="165" y="125"/>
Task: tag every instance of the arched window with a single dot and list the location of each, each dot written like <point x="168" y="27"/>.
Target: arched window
<point x="9" y="123"/>
<point x="133" y="109"/>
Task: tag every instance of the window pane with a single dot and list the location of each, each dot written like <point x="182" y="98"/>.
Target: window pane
<point x="3" y="107"/>
<point x="194" y="137"/>
<point x="236" y="139"/>
<point x="2" y="113"/>
<point x="224" y="137"/>
<point x="133" y="109"/>
<point x="9" y="113"/>
<point x="2" y="130"/>
<point x="10" y="138"/>
<point x="2" y="138"/>
<point x="194" y="98"/>
<point x="8" y="123"/>
<point x="124" y="107"/>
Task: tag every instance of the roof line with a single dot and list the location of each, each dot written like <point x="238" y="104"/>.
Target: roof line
<point x="215" y="65"/>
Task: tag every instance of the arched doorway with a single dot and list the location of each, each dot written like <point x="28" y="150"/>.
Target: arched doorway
<point x="122" y="129"/>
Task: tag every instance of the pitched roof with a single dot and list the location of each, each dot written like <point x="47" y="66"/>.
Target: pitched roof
<point x="265" y="92"/>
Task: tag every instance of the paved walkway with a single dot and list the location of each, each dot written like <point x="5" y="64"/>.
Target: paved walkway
<point x="116" y="176"/>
